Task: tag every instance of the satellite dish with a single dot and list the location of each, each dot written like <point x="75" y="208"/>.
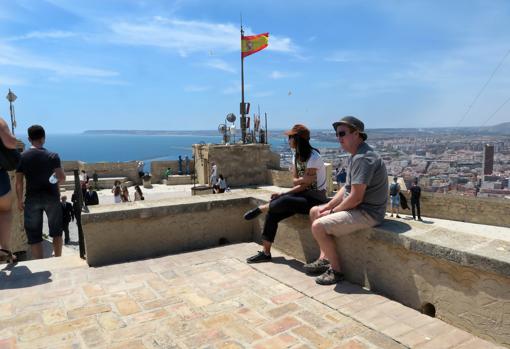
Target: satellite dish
<point x="231" y="117"/>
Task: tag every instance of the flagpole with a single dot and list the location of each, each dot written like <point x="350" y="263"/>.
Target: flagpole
<point x="243" y="109"/>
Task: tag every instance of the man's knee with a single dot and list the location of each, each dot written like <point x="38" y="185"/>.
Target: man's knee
<point x="314" y="213"/>
<point x="318" y="228"/>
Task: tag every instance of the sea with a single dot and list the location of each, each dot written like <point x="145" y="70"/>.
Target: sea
<point x="127" y="147"/>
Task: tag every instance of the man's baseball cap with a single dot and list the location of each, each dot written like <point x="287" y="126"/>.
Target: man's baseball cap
<point x="299" y="130"/>
<point x="354" y="123"/>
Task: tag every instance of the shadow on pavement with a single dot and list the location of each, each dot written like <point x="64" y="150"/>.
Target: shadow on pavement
<point x="13" y="276"/>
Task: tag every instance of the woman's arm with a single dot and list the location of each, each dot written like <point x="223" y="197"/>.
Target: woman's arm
<point x="7" y="138"/>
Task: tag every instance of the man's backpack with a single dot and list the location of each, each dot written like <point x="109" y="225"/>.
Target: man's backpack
<point x="394" y="187"/>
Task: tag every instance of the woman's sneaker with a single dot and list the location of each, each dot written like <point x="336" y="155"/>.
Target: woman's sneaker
<point x="254" y="212"/>
<point x="259" y="258"/>
<point x="317" y="267"/>
<point x="329" y="277"/>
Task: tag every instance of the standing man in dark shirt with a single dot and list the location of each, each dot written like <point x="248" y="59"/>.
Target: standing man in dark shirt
<point x="43" y="172"/>
<point x="415" y="199"/>
<point x="67" y="217"/>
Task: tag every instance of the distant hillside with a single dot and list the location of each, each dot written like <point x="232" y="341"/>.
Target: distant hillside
<point x="503" y="128"/>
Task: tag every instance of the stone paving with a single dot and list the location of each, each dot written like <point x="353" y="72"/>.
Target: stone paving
<point x="204" y="299"/>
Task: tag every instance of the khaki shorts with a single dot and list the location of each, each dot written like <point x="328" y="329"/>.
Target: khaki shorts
<point x="346" y="222"/>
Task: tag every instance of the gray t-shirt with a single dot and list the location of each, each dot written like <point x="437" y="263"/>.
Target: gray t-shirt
<point x="367" y="167"/>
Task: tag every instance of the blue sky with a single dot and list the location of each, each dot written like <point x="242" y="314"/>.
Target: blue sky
<point x="175" y="65"/>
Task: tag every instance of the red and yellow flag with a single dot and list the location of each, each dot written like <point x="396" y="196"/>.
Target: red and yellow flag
<point x="253" y="43"/>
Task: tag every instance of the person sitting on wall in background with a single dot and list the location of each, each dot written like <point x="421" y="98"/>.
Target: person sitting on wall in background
<point x="91" y="197"/>
<point x="139" y="168"/>
<point x="361" y="203"/>
<point x="117" y="191"/>
<point x="395" y="196"/>
<point x="138" y="193"/>
<point x="67" y="217"/>
<point x="221" y="184"/>
<point x="124" y="195"/>
<point x="167" y="173"/>
<point x="309" y="180"/>
<point x="6" y="198"/>
<point x="415" y="191"/>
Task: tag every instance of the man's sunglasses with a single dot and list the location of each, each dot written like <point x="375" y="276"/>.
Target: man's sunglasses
<point x="341" y="134"/>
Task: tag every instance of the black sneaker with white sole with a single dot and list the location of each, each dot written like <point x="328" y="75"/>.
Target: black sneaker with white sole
<point x="259" y="258"/>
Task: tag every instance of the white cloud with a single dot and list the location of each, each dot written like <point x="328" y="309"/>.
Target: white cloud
<point x="188" y="36"/>
<point x="55" y="34"/>
<point x="7" y="80"/>
<point x="14" y="57"/>
<point x="276" y="74"/>
<point x="221" y="65"/>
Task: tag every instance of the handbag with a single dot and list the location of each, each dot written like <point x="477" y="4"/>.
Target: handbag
<point x="9" y="158"/>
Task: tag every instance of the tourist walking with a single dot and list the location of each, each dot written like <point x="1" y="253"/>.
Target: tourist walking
<point x="124" y="195"/>
<point x="138" y="193"/>
<point x="116" y="192"/>
<point x="43" y="172"/>
<point x="309" y="180"/>
<point x="395" y="196"/>
<point x="67" y="217"/>
<point x="139" y="168"/>
<point x="214" y="174"/>
<point x="8" y="141"/>
<point x="361" y="203"/>
<point x="415" y="191"/>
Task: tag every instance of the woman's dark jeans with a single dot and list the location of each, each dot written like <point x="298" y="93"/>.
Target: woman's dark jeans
<point x="285" y="206"/>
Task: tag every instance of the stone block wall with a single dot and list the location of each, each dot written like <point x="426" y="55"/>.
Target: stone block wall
<point x="490" y="211"/>
<point x="240" y="164"/>
<point x="127" y="169"/>
<point x="158" y="168"/>
<point x="148" y="229"/>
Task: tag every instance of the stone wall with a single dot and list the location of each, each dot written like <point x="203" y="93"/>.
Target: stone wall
<point x="158" y="168"/>
<point x="127" y="169"/>
<point x="490" y="211"/>
<point x="116" y="233"/>
<point x="240" y="164"/>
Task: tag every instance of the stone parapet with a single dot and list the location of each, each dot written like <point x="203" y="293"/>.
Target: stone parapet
<point x="240" y="164"/>
<point x="158" y="168"/>
<point x="127" y="169"/>
<point x="147" y="229"/>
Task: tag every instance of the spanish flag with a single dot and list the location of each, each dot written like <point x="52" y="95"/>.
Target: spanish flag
<point x="253" y="43"/>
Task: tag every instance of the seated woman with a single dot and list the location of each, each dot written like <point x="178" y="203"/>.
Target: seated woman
<point x="221" y="184"/>
<point x="309" y="180"/>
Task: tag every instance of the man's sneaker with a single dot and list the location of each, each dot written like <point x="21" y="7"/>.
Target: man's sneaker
<point x="259" y="258"/>
<point x="317" y="267"/>
<point x="329" y="277"/>
<point x="398" y="216"/>
<point x="254" y="212"/>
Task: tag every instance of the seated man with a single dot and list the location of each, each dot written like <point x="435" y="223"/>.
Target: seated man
<point x="361" y="203"/>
